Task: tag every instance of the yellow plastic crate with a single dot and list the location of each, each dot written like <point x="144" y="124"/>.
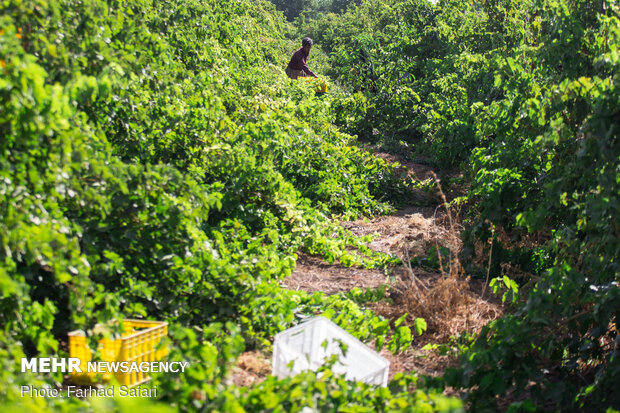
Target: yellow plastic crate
<point x="320" y="85"/>
<point x="139" y="342"/>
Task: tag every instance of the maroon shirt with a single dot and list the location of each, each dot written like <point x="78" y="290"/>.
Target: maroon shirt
<point x="298" y="61"/>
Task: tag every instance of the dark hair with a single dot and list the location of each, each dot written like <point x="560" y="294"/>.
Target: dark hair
<point x="306" y="41"/>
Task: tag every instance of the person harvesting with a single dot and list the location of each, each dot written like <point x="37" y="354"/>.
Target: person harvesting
<point x="298" y="67"/>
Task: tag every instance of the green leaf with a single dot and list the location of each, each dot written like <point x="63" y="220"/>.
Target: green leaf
<point x="419" y="325"/>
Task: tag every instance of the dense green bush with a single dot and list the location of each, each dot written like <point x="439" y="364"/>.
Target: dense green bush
<point x="524" y="96"/>
<point x="156" y="162"/>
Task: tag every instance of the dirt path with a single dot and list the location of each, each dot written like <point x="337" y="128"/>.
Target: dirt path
<point x="450" y="301"/>
<point x="409" y="231"/>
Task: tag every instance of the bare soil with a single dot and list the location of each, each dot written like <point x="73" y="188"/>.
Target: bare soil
<point x="313" y="274"/>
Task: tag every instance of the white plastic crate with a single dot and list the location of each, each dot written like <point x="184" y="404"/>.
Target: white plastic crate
<point x="303" y="344"/>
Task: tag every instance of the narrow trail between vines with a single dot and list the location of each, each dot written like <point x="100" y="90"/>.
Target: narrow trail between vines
<point x="449" y="300"/>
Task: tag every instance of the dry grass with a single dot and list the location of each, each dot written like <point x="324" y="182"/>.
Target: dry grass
<point x="450" y="306"/>
<point x="252" y="367"/>
<point x="447" y="303"/>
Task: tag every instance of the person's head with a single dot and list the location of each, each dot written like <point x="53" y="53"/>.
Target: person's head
<point x="307" y="43"/>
